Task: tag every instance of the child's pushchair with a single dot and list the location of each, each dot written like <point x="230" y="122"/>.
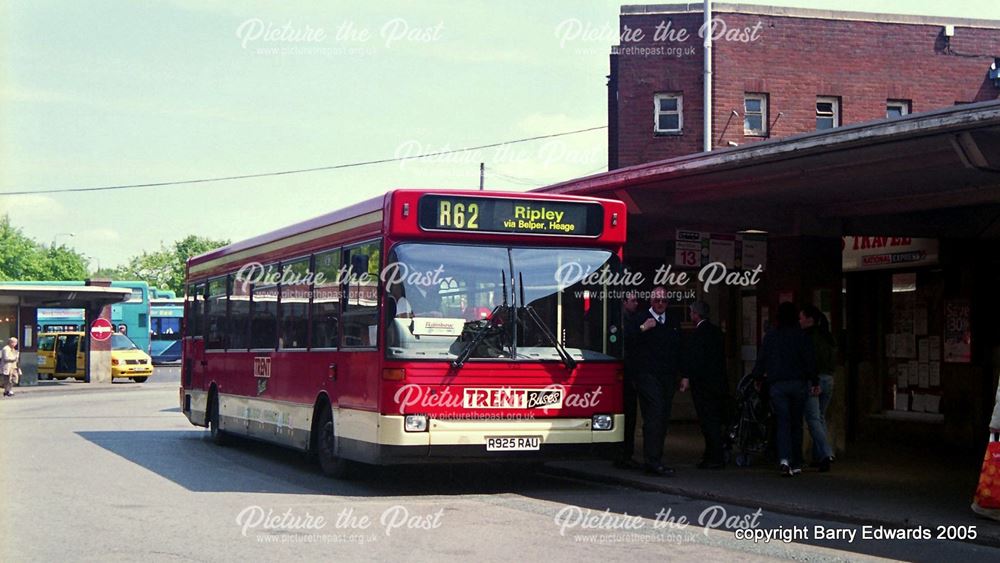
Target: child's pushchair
<point x="750" y="434"/>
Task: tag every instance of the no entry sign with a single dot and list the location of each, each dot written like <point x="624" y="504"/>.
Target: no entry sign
<point x="101" y="330"/>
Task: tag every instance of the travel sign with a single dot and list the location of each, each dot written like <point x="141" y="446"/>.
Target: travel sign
<point x="509" y="216"/>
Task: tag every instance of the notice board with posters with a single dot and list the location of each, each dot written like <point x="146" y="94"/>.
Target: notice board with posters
<point x="957" y="331"/>
<point x="913" y="345"/>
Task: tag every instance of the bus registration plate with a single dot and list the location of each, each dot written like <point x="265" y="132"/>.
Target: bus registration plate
<point x="513" y="443"/>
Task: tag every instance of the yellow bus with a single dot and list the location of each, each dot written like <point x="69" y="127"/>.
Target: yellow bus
<point x="62" y="355"/>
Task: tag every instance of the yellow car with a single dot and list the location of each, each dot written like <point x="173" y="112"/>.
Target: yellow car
<point x="62" y="355"/>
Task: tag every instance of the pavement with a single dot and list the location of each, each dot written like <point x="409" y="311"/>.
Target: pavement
<point x="122" y="476"/>
<point x="72" y="386"/>
<point x="870" y="484"/>
<point x="894" y="487"/>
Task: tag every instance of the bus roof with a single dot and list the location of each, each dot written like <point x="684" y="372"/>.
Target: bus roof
<point x="369" y="207"/>
<point x="361" y="220"/>
<point x="166" y="301"/>
<point x="114" y="283"/>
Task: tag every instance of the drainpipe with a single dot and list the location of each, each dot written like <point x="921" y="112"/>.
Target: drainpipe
<point x="707" y="27"/>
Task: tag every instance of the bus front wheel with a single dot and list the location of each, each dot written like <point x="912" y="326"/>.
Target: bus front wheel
<point x="331" y="465"/>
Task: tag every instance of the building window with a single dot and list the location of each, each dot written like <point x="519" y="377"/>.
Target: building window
<point x="669" y="117"/>
<point x="827" y="113"/>
<point x="755" y="115"/>
<point x="897" y="108"/>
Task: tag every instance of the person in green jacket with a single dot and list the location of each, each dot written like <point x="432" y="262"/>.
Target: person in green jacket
<point x="817" y="327"/>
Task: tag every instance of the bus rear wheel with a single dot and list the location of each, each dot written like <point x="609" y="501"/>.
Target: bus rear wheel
<point x="218" y="435"/>
<point x="331" y="465"/>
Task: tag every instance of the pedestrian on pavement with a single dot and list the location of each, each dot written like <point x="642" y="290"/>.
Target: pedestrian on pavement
<point x="657" y="362"/>
<point x="705" y="371"/>
<point x="817" y="327"/>
<point x="786" y="362"/>
<point x="10" y="370"/>
<point x="993" y="513"/>
<point x="631" y="332"/>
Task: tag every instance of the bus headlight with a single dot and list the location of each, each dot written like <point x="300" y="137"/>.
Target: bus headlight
<point x="415" y="423"/>
<point x="602" y="422"/>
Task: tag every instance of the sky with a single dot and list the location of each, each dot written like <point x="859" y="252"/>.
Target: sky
<point x="105" y="93"/>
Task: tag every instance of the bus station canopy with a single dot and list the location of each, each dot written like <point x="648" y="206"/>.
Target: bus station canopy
<point x="933" y="174"/>
<point x="60" y="296"/>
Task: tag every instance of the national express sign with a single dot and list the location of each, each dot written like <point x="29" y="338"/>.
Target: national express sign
<point x="883" y="253"/>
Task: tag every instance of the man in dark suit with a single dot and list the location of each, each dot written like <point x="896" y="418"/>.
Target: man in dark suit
<point x="656" y="363"/>
<point x="705" y="368"/>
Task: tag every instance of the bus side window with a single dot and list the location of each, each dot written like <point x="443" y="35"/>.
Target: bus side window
<point x="215" y="315"/>
<point x="361" y="295"/>
<point x="238" y="318"/>
<point x="294" y="308"/>
<point x="264" y="315"/>
<point x="326" y="294"/>
<point x="195" y="312"/>
<point x="46" y="343"/>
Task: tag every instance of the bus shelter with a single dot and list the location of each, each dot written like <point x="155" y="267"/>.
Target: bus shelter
<point x="889" y="227"/>
<point x="19" y="304"/>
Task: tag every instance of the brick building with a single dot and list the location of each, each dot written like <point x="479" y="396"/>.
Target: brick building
<point x="782" y="71"/>
<point x="813" y="147"/>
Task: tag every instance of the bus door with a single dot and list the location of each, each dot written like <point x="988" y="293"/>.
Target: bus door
<point x="69" y="355"/>
<point x="193" y="329"/>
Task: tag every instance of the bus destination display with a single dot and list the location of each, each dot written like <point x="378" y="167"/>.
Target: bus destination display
<point x="513" y="216"/>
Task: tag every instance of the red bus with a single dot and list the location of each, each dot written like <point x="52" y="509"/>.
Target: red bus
<point x="423" y="325"/>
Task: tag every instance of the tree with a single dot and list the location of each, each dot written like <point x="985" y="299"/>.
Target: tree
<point x="107" y="274"/>
<point x="164" y="268"/>
<point x="63" y="263"/>
<point x="24" y="259"/>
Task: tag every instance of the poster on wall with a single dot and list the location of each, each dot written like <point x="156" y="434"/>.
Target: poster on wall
<point x="722" y="248"/>
<point x="957" y="332"/>
<point x="688" y="249"/>
<point x="753" y="251"/>
<point x="881" y="253"/>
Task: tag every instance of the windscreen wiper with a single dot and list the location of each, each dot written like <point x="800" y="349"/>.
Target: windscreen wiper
<point x="484" y="330"/>
<point x="568" y="360"/>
